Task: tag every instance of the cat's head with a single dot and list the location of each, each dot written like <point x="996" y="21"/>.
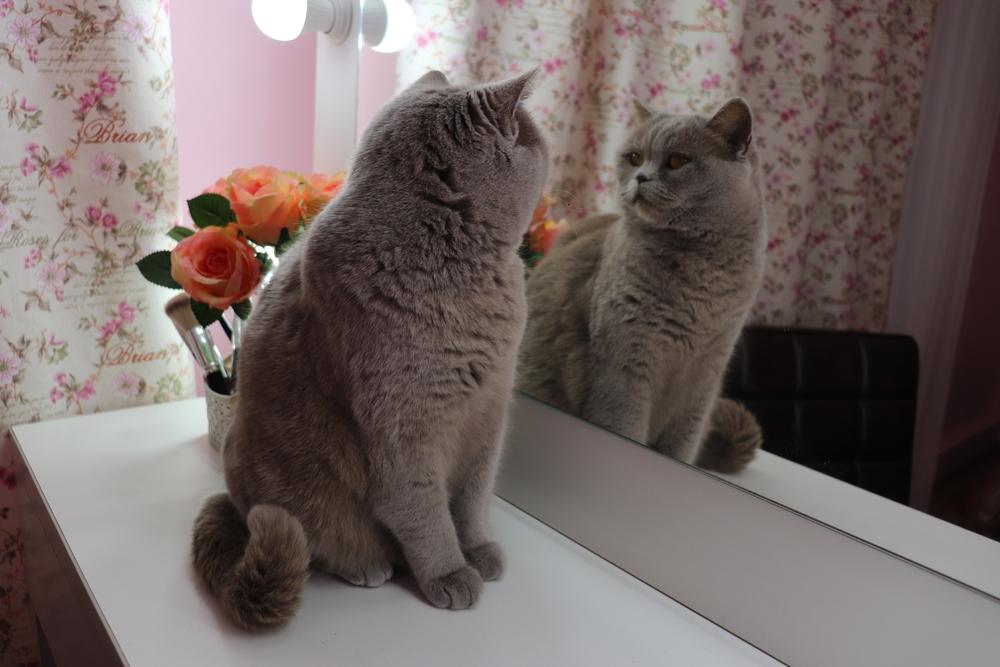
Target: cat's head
<point x="474" y="144"/>
<point x="690" y="171"/>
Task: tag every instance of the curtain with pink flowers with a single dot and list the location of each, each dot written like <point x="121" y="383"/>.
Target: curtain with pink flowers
<point x="88" y="184"/>
<point x="835" y="88"/>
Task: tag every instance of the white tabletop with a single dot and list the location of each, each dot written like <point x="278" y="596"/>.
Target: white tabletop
<point x="926" y="540"/>
<point x="123" y="489"/>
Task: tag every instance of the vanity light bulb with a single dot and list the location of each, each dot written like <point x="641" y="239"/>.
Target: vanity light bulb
<point x="387" y="25"/>
<point x="284" y="20"/>
<point x="279" y="20"/>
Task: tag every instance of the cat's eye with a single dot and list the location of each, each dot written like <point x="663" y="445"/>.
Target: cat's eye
<point x="676" y="161"/>
<point x="635" y="159"/>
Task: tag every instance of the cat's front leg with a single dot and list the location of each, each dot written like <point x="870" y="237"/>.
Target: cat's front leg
<point x="618" y="398"/>
<point x="412" y="502"/>
<point x="471" y="498"/>
<point x="682" y="437"/>
<point x="684" y="433"/>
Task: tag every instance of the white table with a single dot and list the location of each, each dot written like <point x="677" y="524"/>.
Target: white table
<point x="932" y="543"/>
<point x="111" y="499"/>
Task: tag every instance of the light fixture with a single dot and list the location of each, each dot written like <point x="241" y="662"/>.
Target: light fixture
<point x="386" y="25"/>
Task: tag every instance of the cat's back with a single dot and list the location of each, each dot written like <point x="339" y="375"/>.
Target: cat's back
<point x="273" y="328"/>
<point x="560" y="291"/>
<point x="574" y="256"/>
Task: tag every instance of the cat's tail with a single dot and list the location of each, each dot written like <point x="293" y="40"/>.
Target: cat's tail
<point x="256" y="569"/>
<point x="733" y="439"/>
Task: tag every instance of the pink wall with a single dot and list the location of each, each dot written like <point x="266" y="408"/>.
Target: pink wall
<point x="242" y="98"/>
<point x="376" y="84"/>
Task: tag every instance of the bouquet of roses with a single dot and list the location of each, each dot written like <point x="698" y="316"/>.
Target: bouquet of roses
<point x="221" y="262"/>
<point x="542" y="233"/>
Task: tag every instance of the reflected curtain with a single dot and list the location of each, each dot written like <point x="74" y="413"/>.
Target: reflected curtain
<point x="835" y="88"/>
<point x="88" y="184"/>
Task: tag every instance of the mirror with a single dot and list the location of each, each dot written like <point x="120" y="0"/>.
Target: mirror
<point x="741" y="259"/>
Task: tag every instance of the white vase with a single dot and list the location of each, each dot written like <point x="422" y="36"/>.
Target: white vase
<point x="220" y="416"/>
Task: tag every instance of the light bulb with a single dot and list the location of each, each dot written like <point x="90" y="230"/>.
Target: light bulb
<point x="387" y="25"/>
<point x="284" y="20"/>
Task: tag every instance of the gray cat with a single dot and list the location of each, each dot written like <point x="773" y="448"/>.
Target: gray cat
<point x="634" y="318"/>
<point x="378" y="366"/>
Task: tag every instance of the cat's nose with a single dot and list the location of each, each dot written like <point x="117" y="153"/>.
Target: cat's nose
<point x="641" y="178"/>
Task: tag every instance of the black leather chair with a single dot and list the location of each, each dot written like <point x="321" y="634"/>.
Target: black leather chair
<point x="842" y="403"/>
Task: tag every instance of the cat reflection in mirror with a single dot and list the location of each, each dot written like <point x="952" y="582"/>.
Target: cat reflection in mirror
<point x="633" y="318"/>
<point x="378" y="366"/>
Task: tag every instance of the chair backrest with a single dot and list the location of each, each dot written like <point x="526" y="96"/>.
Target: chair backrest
<point x="842" y="403"/>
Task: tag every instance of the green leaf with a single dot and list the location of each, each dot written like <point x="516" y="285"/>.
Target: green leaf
<point x="286" y="240"/>
<point x="205" y="314"/>
<point x="155" y="268"/>
<point x="180" y="233"/>
<point x="265" y="262"/>
<point x="211" y="210"/>
<point x="242" y="309"/>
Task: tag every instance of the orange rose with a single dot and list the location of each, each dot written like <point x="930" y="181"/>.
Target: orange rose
<point x="543" y="234"/>
<point x="318" y="189"/>
<point x="265" y="201"/>
<point x="215" y="266"/>
<point x="542" y="209"/>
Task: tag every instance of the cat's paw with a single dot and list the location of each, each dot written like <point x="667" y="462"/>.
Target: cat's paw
<point x="488" y="560"/>
<point x="458" y="590"/>
<point x="370" y="576"/>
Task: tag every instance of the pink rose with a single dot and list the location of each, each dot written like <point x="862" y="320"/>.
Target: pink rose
<point x="94" y="214"/>
<point x="106" y="82"/>
<point x="86" y="391"/>
<point x="87" y="101"/>
<point x="109" y="221"/>
<point x="126" y="311"/>
<point x="9" y="365"/>
<point x="109" y="329"/>
<point x="32" y="258"/>
<point x="61" y="168"/>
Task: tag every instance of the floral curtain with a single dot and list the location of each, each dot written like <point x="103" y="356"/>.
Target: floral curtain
<point x="88" y="184"/>
<point x="835" y="88"/>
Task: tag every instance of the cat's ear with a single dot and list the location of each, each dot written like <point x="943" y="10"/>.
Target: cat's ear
<point x="642" y="112"/>
<point x="734" y="123"/>
<point x="433" y="79"/>
<point x="500" y="100"/>
<point x="508" y="94"/>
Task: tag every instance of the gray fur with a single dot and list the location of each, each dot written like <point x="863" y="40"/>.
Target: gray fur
<point x="378" y="364"/>
<point x="256" y="570"/>
<point x="634" y="318"/>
